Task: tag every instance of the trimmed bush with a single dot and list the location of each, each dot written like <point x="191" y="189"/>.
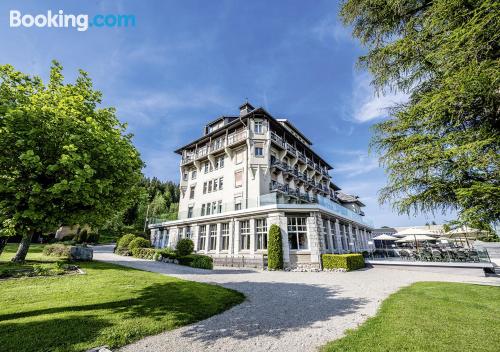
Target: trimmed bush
<point x="123" y="251"/>
<point x="343" y="261"/>
<point x="167" y="253"/>
<point x="143" y="253"/>
<point x="125" y="240"/>
<point x="275" y="249"/>
<point x="197" y="261"/>
<point x="184" y="247"/>
<point x="57" y="250"/>
<point x="139" y="242"/>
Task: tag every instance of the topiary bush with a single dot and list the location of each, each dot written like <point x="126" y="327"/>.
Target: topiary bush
<point x="197" y="261"/>
<point x="167" y="253"/>
<point x="184" y="247"/>
<point x="143" y="253"/>
<point x="125" y="240"/>
<point x="343" y="261"/>
<point x="275" y="249"/>
<point x="139" y="242"/>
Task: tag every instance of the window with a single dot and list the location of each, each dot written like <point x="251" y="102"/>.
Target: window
<point x="225" y="236"/>
<point x="213" y="238"/>
<point x="164" y="237"/>
<point x="216" y="184"/>
<point x="191" y="192"/>
<point x="188" y="232"/>
<point x="237" y="203"/>
<point x="221" y="182"/>
<point x="219" y="162"/>
<point x="261" y="231"/>
<point x="238" y="178"/>
<point x="193" y="175"/>
<point x="332" y="233"/>
<point x="259" y="151"/>
<point x="219" y="206"/>
<point x="258" y="127"/>
<point x="245" y="235"/>
<point x="208" y="208"/>
<point x="239" y="157"/>
<point x="202" y="209"/>
<point x="204" y="187"/>
<point x="185" y="176"/>
<point x="214" y="207"/>
<point x="325" y="233"/>
<point x="205" y="166"/>
<point x="190" y="212"/>
<point x="297" y="233"/>
<point x="202" y="238"/>
<point x="209" y="186"/>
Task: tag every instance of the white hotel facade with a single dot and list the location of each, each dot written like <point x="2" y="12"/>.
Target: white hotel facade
<point x="248" y="172"/>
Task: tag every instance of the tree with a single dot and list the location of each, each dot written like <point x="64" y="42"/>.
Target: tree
<point x="64" y="160"/>
<point x="441" y="147"/>
<point x="6" y="230"/>
<point x="275" y="248"/>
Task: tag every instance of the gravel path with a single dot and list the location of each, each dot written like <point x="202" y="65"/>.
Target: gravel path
<point x="284" y="311"/>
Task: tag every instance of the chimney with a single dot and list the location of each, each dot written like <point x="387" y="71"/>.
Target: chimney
<point x="246" y="108"/>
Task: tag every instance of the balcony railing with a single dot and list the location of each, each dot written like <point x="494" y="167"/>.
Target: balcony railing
<point x="291" y="149"/>
<point x="186" y="159"/>
<point x="277" y="139"/>
<point x="217" y="145"/>
<point x="236" y="137"/>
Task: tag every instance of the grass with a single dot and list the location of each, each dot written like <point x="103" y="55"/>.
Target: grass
<point x="109" y="305"/>
<point x="430" y="316"/>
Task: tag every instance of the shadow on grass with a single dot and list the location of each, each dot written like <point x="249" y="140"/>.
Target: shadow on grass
<point x="62" y="334"/>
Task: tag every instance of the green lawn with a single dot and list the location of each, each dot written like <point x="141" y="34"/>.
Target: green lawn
<point x="109" y="305"/>
<point x="430" y="316"/>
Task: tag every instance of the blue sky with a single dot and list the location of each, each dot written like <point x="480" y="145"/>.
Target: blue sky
<point x="187" y="62"/>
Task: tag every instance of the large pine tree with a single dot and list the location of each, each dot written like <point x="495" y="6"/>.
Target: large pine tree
<point x="441" y="148"/>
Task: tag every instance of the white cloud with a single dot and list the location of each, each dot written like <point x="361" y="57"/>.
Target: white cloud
<point x="359" y="163"/>
<point x="366" y="105"/>
<point x="331" y="28"/>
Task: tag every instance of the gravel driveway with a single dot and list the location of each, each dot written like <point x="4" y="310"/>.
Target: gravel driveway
<point x="284" y="311"/>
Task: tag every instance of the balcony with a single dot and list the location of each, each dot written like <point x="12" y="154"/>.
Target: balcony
<point x="291" y="149"/>
<point x="236" y="138"/>
<point x="279" y="166"/>
<point x="276" y="186"/>
<point x="217" y="145"/>
<point x="301" y="157"/>
<point x="187" y="159"/>
<point x="202" y="152"/>
<point x="277" y="140"/>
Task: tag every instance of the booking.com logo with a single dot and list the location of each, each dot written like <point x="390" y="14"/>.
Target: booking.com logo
<point x="81" y="22"/>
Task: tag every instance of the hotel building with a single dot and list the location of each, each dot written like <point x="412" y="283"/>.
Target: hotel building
<point x="248" y="172"/>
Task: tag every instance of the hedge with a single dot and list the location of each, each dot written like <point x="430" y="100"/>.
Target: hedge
<point x="275" y="248"/>
<point x="343" y="261"/>
<point x="197" y="261"/>
<point x="139" y="242"/>
<point x="143" y="253"/>
<point x="125" y="240"/>
<point x="167" y="253"/>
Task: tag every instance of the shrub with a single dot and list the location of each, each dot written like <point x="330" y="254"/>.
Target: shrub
<point x="167" y="253"/>
<point x="197" y="261"/>
<point x="343" y="261"/>
<point x="139" y="242"/>
<point x="125" y="240"/>
<point x="202" y="262"/>
<point x="57" y="250"/>
<point x="275" y="249"/>
<point x="143" y="253"/>
<point x="184" y="247"/>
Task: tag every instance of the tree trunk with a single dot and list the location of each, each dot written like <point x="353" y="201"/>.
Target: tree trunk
<point x="3" y="243"/>
<point x="22" y="251"/>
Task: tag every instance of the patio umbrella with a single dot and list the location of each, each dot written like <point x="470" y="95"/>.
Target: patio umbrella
<point x="414" y="232"/>
<point x="415" y="238"/>
<point x="385" y="238"/>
